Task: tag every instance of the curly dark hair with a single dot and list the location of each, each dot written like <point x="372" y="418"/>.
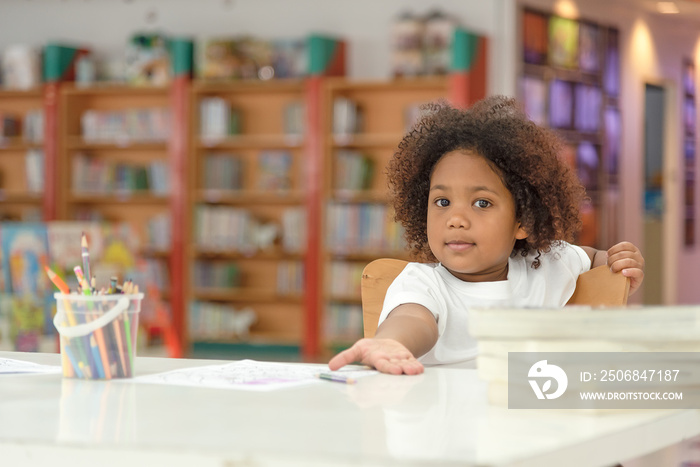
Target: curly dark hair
<point x="547" y="194"/>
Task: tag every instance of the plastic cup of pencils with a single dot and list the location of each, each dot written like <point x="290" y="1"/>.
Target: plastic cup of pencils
<point x="97" y="334"/>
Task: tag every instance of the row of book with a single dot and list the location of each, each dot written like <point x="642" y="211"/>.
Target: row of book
<point x="290" y="278"/>
<point x="218" y="321"/>
<point x="222" y="172"/>
<point x="229" y="229"/>
<point x="363" y="227"/>
<point x="158" y="235"/>
<point x="225" y="172"/>
<point x="30" y="127"/>
<point x="216" y="274"/>
<point x="345" y="279"/>
<point x="91" y="174"/>
<point x="229" y="275"/>
<point x="343" y="322"/>
<point x="218" y="119"/>
<point x="353" y="170"/>
<point x="126" y="126"/>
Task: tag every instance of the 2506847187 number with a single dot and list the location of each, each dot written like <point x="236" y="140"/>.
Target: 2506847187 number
<point x="639" y="375"/>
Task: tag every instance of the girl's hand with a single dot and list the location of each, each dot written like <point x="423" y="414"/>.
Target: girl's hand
<point x="386" y="355"/>
<point x="627" y="258"/>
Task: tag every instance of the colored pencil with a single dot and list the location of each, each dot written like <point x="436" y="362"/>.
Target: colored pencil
<point x="96" y="356"/>
<point x="336" y="378"/>
<point x="85" y="254"/>
<point x="64" y="289"/>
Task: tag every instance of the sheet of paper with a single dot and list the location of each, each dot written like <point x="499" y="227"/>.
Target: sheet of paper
<point x="251" y="375"/>
<point x="12" y="366"/>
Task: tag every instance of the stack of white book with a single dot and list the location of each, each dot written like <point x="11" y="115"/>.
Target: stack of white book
<point x="577" y="329"/>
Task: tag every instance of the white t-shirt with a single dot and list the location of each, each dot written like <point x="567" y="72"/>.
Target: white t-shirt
<point x="449" y="298"/>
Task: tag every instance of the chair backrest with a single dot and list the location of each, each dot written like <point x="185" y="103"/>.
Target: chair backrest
<point x="596" y="287"/>
<point x="376" y="278"/>
<point x="601" y="287"/>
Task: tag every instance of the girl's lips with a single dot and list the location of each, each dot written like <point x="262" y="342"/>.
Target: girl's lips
<point x="459" y="246"/>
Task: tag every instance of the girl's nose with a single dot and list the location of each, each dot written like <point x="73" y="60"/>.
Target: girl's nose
<point x="458" y="220"/>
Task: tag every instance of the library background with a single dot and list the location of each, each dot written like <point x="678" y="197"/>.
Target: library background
<point x="240" y="180"/>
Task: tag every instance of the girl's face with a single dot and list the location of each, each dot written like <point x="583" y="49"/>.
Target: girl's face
<point x="471" y="218"/>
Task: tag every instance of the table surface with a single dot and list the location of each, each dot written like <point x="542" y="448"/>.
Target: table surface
<point x="439" y="418"/>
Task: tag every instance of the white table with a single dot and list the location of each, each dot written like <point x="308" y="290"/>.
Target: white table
<point x="438" y="418"/>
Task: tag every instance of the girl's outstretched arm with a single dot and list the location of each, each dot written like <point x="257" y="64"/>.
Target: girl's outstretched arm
<point x="623" y="257"/>
<point x="410" y="330"/>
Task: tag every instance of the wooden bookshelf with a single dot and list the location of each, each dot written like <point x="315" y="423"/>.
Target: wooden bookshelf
<point x="358" y="226"/>
<point x="263" y="180"/>
<point x="120" y="173"/>
<point x="17" y="200"/>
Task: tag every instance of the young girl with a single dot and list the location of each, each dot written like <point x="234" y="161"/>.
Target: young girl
<point x="489" y="208"/>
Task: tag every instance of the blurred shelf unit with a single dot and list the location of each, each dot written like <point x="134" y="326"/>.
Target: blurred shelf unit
<point x="570" y="82"/>
<point x="21" y="155"/>
<point x="247" y="202"/>
<point x="114" y="165"/>
<point x="363" y="125"/>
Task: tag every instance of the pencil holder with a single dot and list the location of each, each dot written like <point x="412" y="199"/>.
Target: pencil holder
<point x="97" y="334"/>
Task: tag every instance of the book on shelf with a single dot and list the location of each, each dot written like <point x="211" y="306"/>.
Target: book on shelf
<point x="358" y="227"/>
<point x="10" y="126"/>
<point x="347" y="117"/>
<point x="159" y="232"/>
<point x="140" y="125"/>
<point x="290" y="278"/>
<point x="274" y="170"/>
<point x="354" y="170"/>
<point x="33" y="126"/>
<point x="345" y="278"/>
<point x="217" y="119"/>
<point x="218" y="321"/>
<point x="294" y="230"/>
<point x="223" y="228"/>
<point x="216" y="274"/>
<point x="294" y="119"/>
<point x="343" y="322"/>
<point x="231" y="229"/>
<point x="34" y="170"/>
<point x="91" y="174"/>
<point x="222" y="172"/>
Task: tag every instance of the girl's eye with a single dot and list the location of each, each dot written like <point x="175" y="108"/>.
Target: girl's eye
<point x="482" y="203"/>
<point x="442" y="202"/>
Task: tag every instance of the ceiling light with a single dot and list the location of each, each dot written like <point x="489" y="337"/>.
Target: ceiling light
<point x="667" y="8"/>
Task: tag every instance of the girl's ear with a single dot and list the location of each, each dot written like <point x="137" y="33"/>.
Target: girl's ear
<point x="520" y="233"/>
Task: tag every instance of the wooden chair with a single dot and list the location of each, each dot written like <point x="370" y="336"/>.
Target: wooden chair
<point x="596" y="287"/>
